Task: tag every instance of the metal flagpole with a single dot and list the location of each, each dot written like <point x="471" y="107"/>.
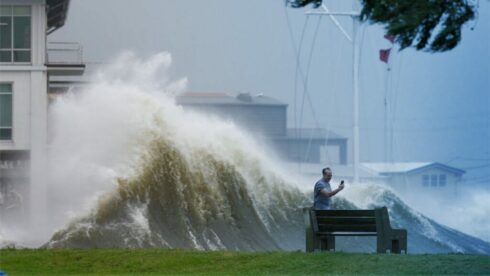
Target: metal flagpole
<point x="355" y="73"/>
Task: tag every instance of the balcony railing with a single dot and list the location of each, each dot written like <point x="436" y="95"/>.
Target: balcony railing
<point x="64" y="53"/>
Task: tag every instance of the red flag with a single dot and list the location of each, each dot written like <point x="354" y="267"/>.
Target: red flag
<point x="384" y="55"/>
<point x="391" y="38"/>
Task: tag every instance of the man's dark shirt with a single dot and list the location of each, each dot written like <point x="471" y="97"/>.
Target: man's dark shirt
<point x="321" y="201"/>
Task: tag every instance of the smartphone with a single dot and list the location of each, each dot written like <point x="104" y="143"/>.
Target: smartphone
<point x="342" y="182"/>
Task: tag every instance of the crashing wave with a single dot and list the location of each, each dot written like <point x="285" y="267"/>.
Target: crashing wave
<point x="176" y="179"/>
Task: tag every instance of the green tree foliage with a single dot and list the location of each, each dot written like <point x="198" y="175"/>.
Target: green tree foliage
<point x="430" y="25"/>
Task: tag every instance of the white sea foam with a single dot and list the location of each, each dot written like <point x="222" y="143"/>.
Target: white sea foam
<point x="99" y="135"/>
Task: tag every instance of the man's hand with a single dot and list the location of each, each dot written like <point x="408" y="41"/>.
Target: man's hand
<point x="334" y="192"/>
<point x="341" y="186"/>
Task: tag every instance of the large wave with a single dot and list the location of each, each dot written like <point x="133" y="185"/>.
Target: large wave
<point x="132" y="169"/>
<point x="201" y="202"/>
<point x="179" y="179"/>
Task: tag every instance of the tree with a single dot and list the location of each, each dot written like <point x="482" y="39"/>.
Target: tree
<point x="429" y="25"/>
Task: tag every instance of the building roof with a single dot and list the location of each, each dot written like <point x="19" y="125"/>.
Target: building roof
<point x="310" y="134"/>
<point x="408" y="168"/>
<point x="213" y="98"/>
<point x="57" y="11"/>
<point x="339" y="171"/>
<point x="313" y="133"/>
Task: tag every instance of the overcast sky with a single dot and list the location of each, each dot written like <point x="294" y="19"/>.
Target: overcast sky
<point x="439" y="104"/>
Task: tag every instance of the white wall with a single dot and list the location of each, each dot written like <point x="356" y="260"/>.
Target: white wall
<point x="29" y="85"/>
<point x="21" y="109"/>
<point x="30" y="107"/>
<point x="411" y="185"/>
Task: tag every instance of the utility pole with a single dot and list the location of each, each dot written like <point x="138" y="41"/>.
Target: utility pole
<point x="355" y="72"/>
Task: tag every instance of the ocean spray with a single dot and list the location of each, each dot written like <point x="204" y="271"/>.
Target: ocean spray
<point x="129" y="168"/>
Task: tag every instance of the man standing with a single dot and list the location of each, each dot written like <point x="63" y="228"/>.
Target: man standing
<point x="323" y="192"/>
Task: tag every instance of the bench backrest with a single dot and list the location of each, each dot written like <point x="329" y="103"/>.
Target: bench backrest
<point x="343" y="220"/>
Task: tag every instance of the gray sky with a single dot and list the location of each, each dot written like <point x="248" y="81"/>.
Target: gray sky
<point x="439" y="103"/>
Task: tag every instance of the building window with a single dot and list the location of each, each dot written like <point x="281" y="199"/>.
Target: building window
<point x="15" y="34"/>
<point x="425" y="180"/>
<point x="433" y="180"/>
<point x="5" y="111"/>
<point x="442" y="180"/>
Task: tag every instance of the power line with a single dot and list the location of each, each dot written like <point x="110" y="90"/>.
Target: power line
<point x="305" y="88"/>
<point x="299" y="70"/>
<point x="298" y="57"/>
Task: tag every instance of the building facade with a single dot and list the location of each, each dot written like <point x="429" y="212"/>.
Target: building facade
<point x="419" y="179"/>
<point x="24" y="74"/>
<point x="267" y="117"/>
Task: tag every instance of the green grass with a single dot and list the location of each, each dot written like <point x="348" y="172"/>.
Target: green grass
<point x="160" y="261"/>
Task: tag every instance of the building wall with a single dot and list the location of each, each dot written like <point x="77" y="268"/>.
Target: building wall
<point x="412" y="184"/>
<point x="299" y="150"/>
<point x="29" y="83"/>
<point x="29" y="107"/>
<point x="266" y="119"/>
<point x="21" y="95"/>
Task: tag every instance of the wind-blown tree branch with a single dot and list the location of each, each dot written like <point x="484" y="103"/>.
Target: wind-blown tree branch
<point x="429" y="25"/>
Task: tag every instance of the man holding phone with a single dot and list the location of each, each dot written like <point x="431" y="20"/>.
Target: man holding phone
<point x="323" y="192"/>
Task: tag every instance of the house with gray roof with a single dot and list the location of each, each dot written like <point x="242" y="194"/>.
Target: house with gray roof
<point x="267" y="117"/>
<point x="418" y="178"/>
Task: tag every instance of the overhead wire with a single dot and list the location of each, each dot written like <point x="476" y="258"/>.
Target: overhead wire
<point x="300" y="71"/>
<point x="305" y="88"/>
<point x="305" y="79"/>
<point x="306" y="91"/>
<point x="297" y="53"/>
<point x="334" y="98"/>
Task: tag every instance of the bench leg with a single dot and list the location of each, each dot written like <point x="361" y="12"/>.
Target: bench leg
<point x="399" y="241"/>
<point x="312" y="242"/>
<point x="395" y="246"/>
<point x="380" y="244"/>
<point x="403" y="244"/>
<point x="327" y="243"/>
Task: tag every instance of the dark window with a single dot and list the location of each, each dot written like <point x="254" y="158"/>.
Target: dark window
<point x="5" y="111"/>
<point x="433" y="180"/>
<point x="5" y="134"/>
<point x="442" y="180"/>
<point x="22" y="32"/>
<point x="5" y="56"/>
<point x="5" y="32"/>
<point x="15" y="34"/>
<point x="22" y="56"/>
<point x="425" y="180"/>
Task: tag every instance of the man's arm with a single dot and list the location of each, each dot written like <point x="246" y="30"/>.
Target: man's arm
<point x="332" y="193"/>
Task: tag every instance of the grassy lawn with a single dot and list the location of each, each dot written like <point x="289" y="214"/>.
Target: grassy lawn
<point x="161" y="261"/>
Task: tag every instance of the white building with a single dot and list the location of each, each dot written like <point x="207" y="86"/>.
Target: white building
<point x="419" y="178"/>
<point x="412" y="180"/>
<point x="24" y="73"/>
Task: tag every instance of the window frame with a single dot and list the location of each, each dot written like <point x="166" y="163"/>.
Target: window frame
<point x="11" y="93"/>
<point x="441" y="177"/>
<point x="434" y="180"/>
<point x="12" y="49"/>
<point x="425" y="180"/>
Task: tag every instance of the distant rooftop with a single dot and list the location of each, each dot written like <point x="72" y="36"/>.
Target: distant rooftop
<point x="339" y="171"/>
<point x="407" y="167"/>
<point x="213" y="98"/>
<point x="311" y="133"/>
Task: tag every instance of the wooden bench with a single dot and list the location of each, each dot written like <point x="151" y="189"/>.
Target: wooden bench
<point x="323" y="225"/>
